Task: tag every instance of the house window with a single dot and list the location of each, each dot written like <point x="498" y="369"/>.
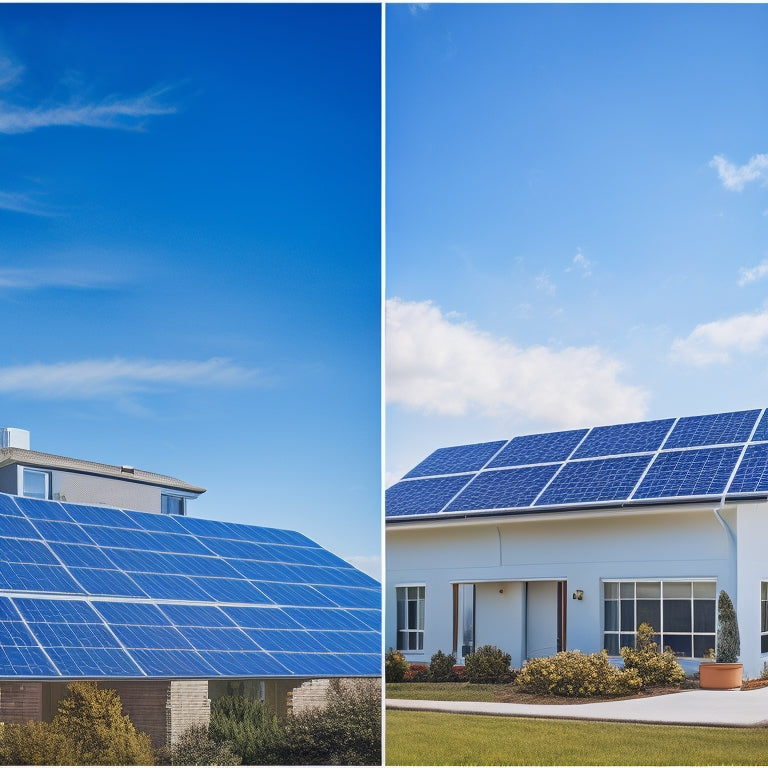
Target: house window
<point x="172" y="505"/>
<point x="764" y="617"/>
<point x="410" y="618"/>
<point x="681" y="612"/>
<point x="35" y="483"/>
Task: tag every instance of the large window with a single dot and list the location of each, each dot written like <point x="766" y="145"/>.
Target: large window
<point x="172" y="505"/>
<point x="410" y="618"/>
<point x="681" y="612"/>
<point x="764" y="617"/>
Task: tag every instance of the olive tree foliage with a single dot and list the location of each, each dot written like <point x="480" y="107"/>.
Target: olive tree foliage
<point x="88" y="729"/>
<point x="727" y="642"/>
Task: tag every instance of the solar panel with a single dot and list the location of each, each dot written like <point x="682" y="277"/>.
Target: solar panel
<point x="140" y="597"/>
<point x="461" y="458"/>
<point x="539" y="449"/>
<point x="639" y="437"/>
<point x="418" y="497"/>
<point x="504" y="488"/>
<point x="595" y="480"/>
<point x="664" y="459"/>
<point x="715" y="429"/>
<point x="698" y="472"/>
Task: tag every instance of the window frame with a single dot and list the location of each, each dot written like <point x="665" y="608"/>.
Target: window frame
<point x="694" y="638"/>
<point x="764" y="617"/>
<point x="34" y="471"/>
<point x="178" y="497"/>
<point x="403" y="617"/>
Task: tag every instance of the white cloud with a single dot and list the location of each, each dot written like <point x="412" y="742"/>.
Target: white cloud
<point x="443" y="367"/>
<point x="124" y="113"/>
<point x="544" y="284"/>
<point x="417" y="8"/>
<point x="10" y="73"/>
<point x="96" y="378"/>
<point x="35" y="279"/>
<point x="717" y="341"/>
<point x="580" y="261"/>
<point x="734" y="177"/>
<point x="14" y="201"/>
<point x="751" y="274"/>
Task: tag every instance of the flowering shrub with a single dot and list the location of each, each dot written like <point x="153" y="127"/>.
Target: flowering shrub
<point x="441" y="668"/>
<point x="488" y="664"/>
<point x="573" y="673"/>
<point x="417" y="673"/>
<point x="654" y="668"/>
<point x="395" y="666"/>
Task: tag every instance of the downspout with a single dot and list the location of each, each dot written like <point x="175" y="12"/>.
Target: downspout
<point x="732" y="546"/>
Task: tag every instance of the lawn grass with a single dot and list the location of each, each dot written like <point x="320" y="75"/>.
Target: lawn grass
<point x="435" y="738"/>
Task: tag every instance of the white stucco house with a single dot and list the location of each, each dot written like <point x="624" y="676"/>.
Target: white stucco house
<point x="570" y="540"/>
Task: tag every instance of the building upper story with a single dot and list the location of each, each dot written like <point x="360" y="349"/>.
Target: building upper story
<point x="24" y="472"/>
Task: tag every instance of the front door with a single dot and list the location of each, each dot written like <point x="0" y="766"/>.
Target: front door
<point x="545" y="625"/>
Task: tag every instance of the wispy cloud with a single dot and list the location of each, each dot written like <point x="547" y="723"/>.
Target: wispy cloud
<point x="439" y="366"/>
<point x="581" y="263"/>
<point x="544" y="284"/>
<point x="736" y="178"/>
<point x="751" y="274"/>
<point x="98" y="378"/>
<point x="51" y="277"/>
<point x="123" y="113"/>
<point x="15" y="201"/>
<point x="10" y="73"/>
<point x="417" y="8"/>
<point x="717" y="342"/>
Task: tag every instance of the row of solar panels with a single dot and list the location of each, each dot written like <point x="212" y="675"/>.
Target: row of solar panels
<point x="98" y="593"/>
<point x="644" y="461"/>
<point x="73" y="638"/>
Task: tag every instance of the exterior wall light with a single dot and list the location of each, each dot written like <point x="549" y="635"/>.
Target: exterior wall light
<point x="578" y="594"/>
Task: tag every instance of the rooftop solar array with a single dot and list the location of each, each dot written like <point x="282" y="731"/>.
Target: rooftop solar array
<point x="91" y="592"/>
<point x="723" y="455"/>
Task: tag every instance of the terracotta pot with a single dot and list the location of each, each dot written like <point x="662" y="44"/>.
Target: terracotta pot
<point x="719" y="676"/>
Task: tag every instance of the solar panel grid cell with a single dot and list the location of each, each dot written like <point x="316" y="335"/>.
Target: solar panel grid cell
<point x="457" y="459"/>
<point x="68" y="533"/>
<point x="595" y="480"/>
<point x="752" y="474"/>
<point x="697" y="472"/>
<point x="638" y="437"/>
<point x="423" y="497"/>
<point x="538" y="449"/>
<point x="504" y="488"/>
<point x="714" y="429"/>
<point x="38" y="578"/>
<point x="99" y="581"/>
<point x="17" y="527"/>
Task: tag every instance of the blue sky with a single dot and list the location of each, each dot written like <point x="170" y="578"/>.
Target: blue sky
<point x="190" y="252"/>
<point x="577" y="218"/>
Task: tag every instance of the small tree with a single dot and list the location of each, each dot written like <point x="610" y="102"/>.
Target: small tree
<point x="93" y="719"/>
<point x="196" y="747"/>
<point x="727" y="644"/>
<point x="395" y="666"/>
<point x="488" y="664"/>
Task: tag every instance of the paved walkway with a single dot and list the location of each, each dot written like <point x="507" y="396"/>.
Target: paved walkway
<point x="696" y="707"/>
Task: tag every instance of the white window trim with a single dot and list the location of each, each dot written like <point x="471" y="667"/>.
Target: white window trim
<point x="398" y="630"/>
<point x="20" y="479"/>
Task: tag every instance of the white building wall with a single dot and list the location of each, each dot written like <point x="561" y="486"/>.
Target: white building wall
<point x="656" y="543"/>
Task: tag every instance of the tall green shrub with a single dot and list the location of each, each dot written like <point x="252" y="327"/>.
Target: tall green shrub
<point x="395" y="666"/>
<point x="653" y="667"/>
<point x="488" y="664"/>
<point x="441" y="667"/>
<point x="727" y="644"/>
<point x="253" y="730"/>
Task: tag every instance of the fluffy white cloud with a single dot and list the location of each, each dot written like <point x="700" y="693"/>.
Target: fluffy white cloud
<point x="111" y="113"/>
<point x="750" y="274"/>
<point x="95" y="378"/>
<point x="438" y="365"/>
<point x="734" y="177"/>
<point x="718" y="341"/>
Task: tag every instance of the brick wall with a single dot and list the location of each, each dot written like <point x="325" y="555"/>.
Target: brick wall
<point x="20" y="702"/>
<point x="188" y="704"/>
<point x="146" y="704"/>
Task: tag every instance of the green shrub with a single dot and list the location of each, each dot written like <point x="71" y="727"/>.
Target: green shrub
<point x="346" y="731"/>
<point x="488" y="664"/>
<point x="36" y="744"/>
<point x="395" y="666"/>
<point x="573" y="673"/>
<point x="252" y="729"/>
<point x="441" y="667"/>
<point x="653" y="668"/>
<point x="196" y="747"/>
<point x="727" y="646"/>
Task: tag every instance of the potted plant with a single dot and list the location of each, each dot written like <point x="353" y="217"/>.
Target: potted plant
<point x="725" y="672"/>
